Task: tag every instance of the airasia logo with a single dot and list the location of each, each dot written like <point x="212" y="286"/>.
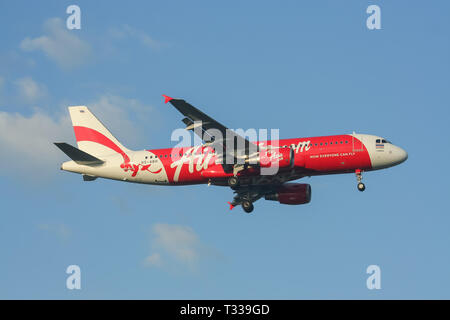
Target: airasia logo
<point x="193" y="159"/>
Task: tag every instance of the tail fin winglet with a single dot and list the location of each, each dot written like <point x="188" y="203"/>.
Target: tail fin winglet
<point x="80" y="157"/>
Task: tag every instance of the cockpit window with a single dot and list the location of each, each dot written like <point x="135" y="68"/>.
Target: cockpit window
<point x="382" y="141"/>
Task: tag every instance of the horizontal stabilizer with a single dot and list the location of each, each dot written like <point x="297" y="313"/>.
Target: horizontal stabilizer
<point x="77" y="155"/>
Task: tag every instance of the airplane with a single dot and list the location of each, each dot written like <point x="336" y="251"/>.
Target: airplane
<point x="101" y="155"/>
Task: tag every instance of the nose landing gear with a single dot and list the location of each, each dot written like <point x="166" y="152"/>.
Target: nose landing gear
<point x="361" y="186"/>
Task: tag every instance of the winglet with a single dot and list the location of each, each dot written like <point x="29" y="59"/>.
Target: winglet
<point x="231" y="206"/>
<point x="166" y="98"/>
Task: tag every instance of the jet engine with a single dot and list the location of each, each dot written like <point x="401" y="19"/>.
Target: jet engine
<point x="291" y="193"/>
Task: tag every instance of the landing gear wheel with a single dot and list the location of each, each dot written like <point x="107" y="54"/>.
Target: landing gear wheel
<point x="247" y="206"/>
<point x="361" y="186"/>
<point x="233" y="182"/>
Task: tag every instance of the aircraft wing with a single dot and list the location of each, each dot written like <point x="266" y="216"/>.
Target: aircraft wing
<point x="238" y="146"/>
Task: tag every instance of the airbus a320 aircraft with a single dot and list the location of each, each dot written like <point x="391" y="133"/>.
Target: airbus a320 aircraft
<point x="100" y="154"/>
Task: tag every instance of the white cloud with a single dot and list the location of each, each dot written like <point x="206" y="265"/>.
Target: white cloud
<point x="127" y="31"/>
<point x="60" y="230"/>
<point x="29" y="90"/>
<point x="178" y="242"/>
<point x="153" y="260"/>
<point x="59" y="44"/>
<point x="26" y="142"/>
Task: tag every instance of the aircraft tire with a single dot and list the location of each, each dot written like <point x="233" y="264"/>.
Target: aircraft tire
<point x="361" y="187"/>
<point x="233" y="182"/>
<point x="247" y="206"/>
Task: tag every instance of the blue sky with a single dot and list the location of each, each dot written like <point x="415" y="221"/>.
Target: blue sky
<point x="306" y="67"/>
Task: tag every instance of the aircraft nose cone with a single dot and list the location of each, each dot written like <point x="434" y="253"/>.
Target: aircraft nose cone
<point x="405" y="155"/>
<point x="400" y="155"/>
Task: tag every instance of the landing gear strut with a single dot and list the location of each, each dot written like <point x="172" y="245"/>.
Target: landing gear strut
<point x="247" y="206"/>
<point x="361" y="186"/>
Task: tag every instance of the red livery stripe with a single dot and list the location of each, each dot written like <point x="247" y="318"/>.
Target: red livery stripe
<point x="88" y="134"/>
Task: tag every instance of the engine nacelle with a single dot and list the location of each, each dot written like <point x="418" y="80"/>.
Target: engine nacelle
<point x="291" y="193"/>
<point x="281" y="157"/>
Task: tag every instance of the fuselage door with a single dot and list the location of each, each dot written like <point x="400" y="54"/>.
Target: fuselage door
<point x="357" y="143"/>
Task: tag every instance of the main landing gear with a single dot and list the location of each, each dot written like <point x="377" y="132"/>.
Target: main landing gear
<point x="361" y="186"/>
<point x="246" y="194"/>
<point x="233" y="181"/>
<point x="247" y="206"/>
